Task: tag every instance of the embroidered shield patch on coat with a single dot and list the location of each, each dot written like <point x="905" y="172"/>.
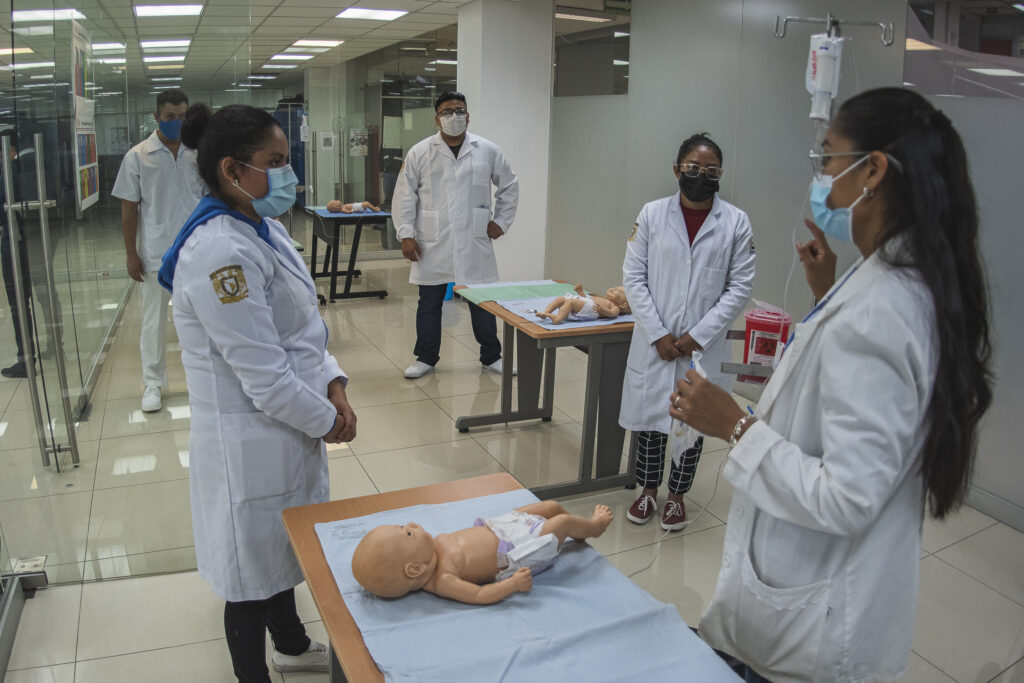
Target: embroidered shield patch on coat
<point x="229" y="284"/>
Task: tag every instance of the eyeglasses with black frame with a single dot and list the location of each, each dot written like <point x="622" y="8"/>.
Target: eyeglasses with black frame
<point x="692" y="170"/>
<point x="448" y="113"/>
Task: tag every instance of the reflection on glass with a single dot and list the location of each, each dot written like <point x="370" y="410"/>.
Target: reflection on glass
<point x="592" y="62"/>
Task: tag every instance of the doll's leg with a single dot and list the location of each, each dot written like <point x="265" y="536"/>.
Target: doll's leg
<point x="564" y="311"/>
<point x="572" y="526"/>
<point x="545" y="508"/>
<point x="555" y="303"/>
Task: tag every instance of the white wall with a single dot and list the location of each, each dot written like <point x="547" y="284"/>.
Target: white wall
<point x="505" y="51"/>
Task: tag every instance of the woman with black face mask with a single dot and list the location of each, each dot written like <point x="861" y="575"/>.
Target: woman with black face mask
<point x="688" y="272"/>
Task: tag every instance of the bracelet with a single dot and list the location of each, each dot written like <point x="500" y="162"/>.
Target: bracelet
<point x="738" y="429"/>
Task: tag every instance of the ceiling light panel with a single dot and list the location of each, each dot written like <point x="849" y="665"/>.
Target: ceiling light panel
<point x="167" y="10"/>
<point x="151" y="44"/>
<point x="373" y="14"/>
<point x="163" y="58"/>
<point x="108" y="47"/>
<point x="317" y="43"/>
<point x="997" y="72"/>
<point x="300" y="58"/>
<point x="46" y="15"/>
<point x="157" y="67"/>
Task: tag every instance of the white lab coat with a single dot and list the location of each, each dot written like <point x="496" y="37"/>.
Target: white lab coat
<point x="167" y="190"/>
<point x="819" y="569"/>
<point x="444" y="203"/>
<point x="674" y="288"/>
<point x="257" y="372"/>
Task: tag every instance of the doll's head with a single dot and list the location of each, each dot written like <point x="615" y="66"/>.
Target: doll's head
<point x="394" y="560"/>
<point x="617" y="295"/>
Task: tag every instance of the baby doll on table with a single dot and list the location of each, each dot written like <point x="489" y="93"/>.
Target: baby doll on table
<point x="480" y="565"/>
<point x="335" y="206"/>
<point x="581" y="307"/>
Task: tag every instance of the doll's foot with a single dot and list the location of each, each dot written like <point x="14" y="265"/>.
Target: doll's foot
<point x="602" y="517"/>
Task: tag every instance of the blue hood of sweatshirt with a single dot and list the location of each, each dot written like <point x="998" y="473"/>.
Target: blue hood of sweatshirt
<point x="210" y="207"/>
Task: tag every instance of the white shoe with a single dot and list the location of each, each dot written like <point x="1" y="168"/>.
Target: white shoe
<point x="316" y="658"/>
<point x="497" y="367"/>
<point x="151" y="399"/>
<point x="418" y="369"/>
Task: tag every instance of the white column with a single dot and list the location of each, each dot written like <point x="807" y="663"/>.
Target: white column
<point x="505" y="72"/>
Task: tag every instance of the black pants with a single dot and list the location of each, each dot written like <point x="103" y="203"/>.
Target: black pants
<point x="26" y="287"/>
<point x="246" y="625"/>
<point x="428" y="328"/>
<point x="650" y="463"/>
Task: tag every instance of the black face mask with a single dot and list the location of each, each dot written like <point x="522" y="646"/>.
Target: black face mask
<point x="697" y="189"/>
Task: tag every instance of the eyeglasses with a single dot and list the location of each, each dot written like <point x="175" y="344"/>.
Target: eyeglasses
<point x="694" y="171"/>
<point x="448" y="113"/>
<point x="819" y="159"/>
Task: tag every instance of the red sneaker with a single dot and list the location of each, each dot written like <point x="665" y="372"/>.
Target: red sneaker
<point x="642" y="509"/>
<point x="673" y="518"/>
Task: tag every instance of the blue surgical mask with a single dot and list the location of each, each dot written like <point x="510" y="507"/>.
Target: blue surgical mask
<point x="171" y="129"/>
<point x="281" y="193"/>
<point x="835" y="223"/>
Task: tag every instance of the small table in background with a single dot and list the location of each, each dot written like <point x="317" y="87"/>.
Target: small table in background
<point x="327" y="227"/>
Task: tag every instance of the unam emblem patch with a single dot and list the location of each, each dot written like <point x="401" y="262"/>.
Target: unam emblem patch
<point x="229" y="284"/>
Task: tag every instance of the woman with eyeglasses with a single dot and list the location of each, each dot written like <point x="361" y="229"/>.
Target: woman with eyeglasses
<point x="688" y="272"/>
<point x="872" y="412"/>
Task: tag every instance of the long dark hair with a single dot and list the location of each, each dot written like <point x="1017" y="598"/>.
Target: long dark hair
<point x="930" y="202"/>
<point x="235" y="131"/>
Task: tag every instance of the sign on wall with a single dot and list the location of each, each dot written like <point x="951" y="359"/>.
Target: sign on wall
<point x="83" y="134"/>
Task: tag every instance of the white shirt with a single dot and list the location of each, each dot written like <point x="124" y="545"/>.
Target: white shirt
<point x="167" y="190"/>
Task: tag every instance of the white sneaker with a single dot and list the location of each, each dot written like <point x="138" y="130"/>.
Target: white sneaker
<point x="418" y="369"/>
<point x="496" y="367"/>
<point x="151" y="399"/>
<point x="316" y="658"/>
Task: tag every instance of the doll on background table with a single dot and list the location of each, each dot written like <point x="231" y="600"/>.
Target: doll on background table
<point x="335" y="206"/>
<point x="480" y="565"/>
<point x="581" y="307"/>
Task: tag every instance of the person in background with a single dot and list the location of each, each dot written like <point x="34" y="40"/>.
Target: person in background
<point x="442" y="214"/>
<point x="265" y="394"/>
<point x="870" y="418"/>
<point x="159" y="186"/>
<point x="688" y="272"/>
<point x="19" y="369"/>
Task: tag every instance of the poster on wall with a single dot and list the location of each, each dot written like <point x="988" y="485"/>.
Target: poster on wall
<point x="358" y="142"/>
<point x="87" y="189"/>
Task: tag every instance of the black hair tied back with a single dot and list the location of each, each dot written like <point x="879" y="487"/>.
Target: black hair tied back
<point x="196" y="118"/>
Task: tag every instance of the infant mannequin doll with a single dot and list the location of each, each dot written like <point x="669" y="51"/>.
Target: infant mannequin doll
<point x="580" y="307"/>
<point x="334" y="206"/>
<point x="480" y="565"/>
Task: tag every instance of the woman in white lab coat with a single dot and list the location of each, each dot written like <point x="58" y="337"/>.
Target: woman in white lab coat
<point x="264" y="392"/>
<point x="872" y="411"/>
<point x="688" y="272"/>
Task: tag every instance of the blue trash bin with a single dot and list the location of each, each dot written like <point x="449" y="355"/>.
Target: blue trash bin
<point x="450" y="292"/>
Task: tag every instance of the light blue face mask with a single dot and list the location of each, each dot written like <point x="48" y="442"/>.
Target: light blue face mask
<point x="281" y="193"/>
<point x="835" y="223"/>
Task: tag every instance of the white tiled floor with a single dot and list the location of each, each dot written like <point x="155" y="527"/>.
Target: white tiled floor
<point x="124" y="517"/>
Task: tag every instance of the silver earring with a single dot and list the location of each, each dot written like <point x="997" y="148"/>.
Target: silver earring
<point x="868" y="192"/>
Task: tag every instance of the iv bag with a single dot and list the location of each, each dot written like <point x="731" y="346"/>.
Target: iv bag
<point x="683" y="437"/>
<point x="822" y="79"/>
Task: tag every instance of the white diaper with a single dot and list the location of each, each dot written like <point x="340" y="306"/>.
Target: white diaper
<point x="520" y="543"/>
<point x="585" y="314"/>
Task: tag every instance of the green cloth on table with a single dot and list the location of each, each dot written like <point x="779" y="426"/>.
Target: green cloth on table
<point x="478" y="295"/>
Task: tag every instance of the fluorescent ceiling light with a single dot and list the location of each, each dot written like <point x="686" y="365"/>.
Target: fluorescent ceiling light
<point x="317" y="43"/>
<point x="620" y="62"/>
<point x="164" y="58"/>
<point x="165" y="78"/>
<point x="149" y="44"/>
<point x="443" y="61"/>
<point x="27" y="65"/>
<point x="112" y="60"/>
<point x="279" y="66"/>
<point x="582" y="17"/>
<point x="40" y="76"/>
<point x="1019" y="6"/>
<point x="236" y="90"/>
<point x="620" y="34"/>
<point x="289" y="50"/>
<point x="261" y="78"/>
<point x="949" y="95"/>
<point x="997" y="72"/>
<point x="411" y="48"/>
<point x="8" y="51"/>
<point x="376" y="14"/>
<point x="249" y="85"/>
<point x="168" y="10"/>
<point x="107" y="94"/>
<point x="915" y="45"/>
<point x="46" y="15"/>
<point x="300" y="58"/>
<point x="429" y="68"/>
<point x="46" y="30"/>
<point x="99" y="47"/>
<point x="165" y="66"/>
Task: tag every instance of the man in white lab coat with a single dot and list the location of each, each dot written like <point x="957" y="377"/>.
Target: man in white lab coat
<point x="442" y="214"/>
<point x="159" y="186"/>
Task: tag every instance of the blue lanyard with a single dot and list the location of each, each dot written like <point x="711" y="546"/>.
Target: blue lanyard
<point x="821" y="304"/>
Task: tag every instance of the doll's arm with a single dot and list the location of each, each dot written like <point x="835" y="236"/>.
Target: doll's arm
<point x="605" y="308"/>
<point x="455" y="588"/>
<point x="579" y="290"/>
<point x="367" y="206"/>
